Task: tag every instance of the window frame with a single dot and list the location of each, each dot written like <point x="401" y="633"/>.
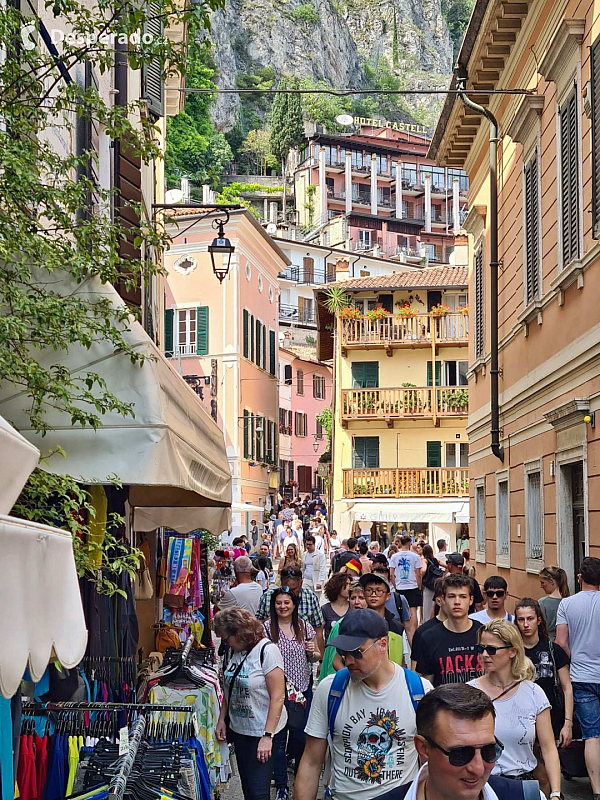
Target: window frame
<point x="502" y="559"/>
<point x="191" y="341"/>
<point x="319" y="390"/>
<point x="480" y="552"/>
<point x="533" y="155"/>
<point x="535" y="466"/>
<point x="300" y="382"/>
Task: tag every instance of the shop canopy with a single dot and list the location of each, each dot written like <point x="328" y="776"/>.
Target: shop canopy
<point x="171" y="453"/>
<point x="426" y="510"/>
<point x="39" y="588"/>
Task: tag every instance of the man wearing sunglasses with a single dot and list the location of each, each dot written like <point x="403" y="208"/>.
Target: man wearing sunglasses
<point x="455" y="737"/>
<point x="495" y="590"/>
<point x="372" y="747"/>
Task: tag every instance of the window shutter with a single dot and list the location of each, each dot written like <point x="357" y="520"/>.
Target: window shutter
<point x="365" y="452"/>
<point x="531" y="230"/>
<point x="272" y="352"/>
<point x="438" y="373"/>
<point x="479" y="305"/>
<point x="251" y="337"/>
<point x="434" y="454"/>
<point x="300" y="381"/>
<point x="252" y="437"/>
<point x="153" y="87"/>
<point x="169" y="316"/>
<point x="569" y="190"/>
<point x="246" y="341"/>
<point x="595" y="75"/>
<point x="246" y="435"/>
<point x="365" y="374"/>
<point x="202" y="330"/>
<point x="264" y="346"/>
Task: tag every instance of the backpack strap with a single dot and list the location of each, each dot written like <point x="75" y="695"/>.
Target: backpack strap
<point x="338" y="686"/>
<point x="531" y="790"/>
<point x="510" y="789"/>
<point x="415" y="686"/>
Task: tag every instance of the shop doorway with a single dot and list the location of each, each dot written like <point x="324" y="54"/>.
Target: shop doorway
<point x="572" y="530"/>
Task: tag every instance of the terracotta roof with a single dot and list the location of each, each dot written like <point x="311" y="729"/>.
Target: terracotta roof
<point x="408" y="279"/>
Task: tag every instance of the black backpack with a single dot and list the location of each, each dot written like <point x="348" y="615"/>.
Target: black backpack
<point x="432" y="573"/>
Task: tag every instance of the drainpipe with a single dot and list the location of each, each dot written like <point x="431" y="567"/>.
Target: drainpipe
<point x="497" y="448"/>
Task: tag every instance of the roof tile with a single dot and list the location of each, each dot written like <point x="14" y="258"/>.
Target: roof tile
<point x="408" y="279"/>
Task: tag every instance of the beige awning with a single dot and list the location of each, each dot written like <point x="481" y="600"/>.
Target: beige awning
<point x="18" y="460"/>
<point x="430" y="510"/>
<point x="183" y="520"/>
<point x="241" y="507"/>
<point x="172" y="454"/>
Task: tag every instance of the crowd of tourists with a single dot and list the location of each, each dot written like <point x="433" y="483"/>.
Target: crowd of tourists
<point x="350" y="666"/>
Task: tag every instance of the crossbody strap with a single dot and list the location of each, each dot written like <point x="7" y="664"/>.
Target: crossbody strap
<point x="556" y="678"/>
<point x="239" y="668"/>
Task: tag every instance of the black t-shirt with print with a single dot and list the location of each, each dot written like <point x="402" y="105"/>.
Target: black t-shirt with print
<point x="416" y="649"/>
<point x="450" y="657"/>
<point x="542" y="661"/>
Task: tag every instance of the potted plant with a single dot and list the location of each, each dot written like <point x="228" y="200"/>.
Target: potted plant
<point x="404" y="310"/>
<point x="350" y="312"/>
<point x="377" y="313"/>
<point x="464" y="310"/>
<point x="440" y="310"/>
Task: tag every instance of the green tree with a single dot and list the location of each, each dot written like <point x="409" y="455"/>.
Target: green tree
<point x="257" y="149"/>
<point x="51" y="236"/>
<point x="287" y="129"/>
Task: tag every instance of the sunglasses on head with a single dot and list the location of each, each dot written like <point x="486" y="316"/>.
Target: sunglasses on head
<point x="462" y="755"/>
<point x="495" y="592"/>
<point x="490" y="649"/>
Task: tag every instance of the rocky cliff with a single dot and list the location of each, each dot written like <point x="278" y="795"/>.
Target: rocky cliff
<point x="343" y="43"/>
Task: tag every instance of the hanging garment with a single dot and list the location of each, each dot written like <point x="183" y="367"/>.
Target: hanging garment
<point x="26" y="773"/>
<point x="41" y="762"/>
<point x="6" y="750"/>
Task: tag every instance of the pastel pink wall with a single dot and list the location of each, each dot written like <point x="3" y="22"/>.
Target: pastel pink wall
<point x="303" y="453"/>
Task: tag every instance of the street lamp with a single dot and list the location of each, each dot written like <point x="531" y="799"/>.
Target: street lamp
<point x="221" y="245"/>
<point x="316" y="443"/>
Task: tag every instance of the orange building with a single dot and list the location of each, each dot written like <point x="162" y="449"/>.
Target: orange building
<point x="224" y="340"/>
<point x="534" y="502"/>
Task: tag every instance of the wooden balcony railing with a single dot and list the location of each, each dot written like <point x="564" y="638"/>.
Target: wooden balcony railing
<point x="420" y="330"/>
<point x="405" y="403"/>
<point x="406" y="482"/>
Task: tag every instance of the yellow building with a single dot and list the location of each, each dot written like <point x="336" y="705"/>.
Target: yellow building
<point x="400" y="451"/>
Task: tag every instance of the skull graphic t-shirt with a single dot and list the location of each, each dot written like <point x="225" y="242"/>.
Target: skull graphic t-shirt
<point x="373" y="744"/>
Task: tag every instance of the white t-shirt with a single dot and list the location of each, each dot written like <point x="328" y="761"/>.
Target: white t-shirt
<point x="290" y="540"/>
<point x="581" y="613"/>
<point x="515" y="727"/>
<point x="483" y="616"/>
<point x="441" y="557"/>
<point x="308" y="566"/>
<point x="373" y="744"/>
<point x="249" y="705"/>
<point x="404" y="564"/>
<point x="246" y="595"/>
<point x="262" y="580"/>
<point x="319" y="543"/>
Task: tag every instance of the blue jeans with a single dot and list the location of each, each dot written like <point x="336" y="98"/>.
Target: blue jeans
<point x="586" y="698"/>
<point x="255" y="775"/>
<point x="293" y="742"/>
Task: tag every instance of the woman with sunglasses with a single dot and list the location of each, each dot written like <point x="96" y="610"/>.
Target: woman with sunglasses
<point x="295" y="638"/>
<point x="522" y="708"/>
<point x="551" y="665"/>
<point x="555" y="585"/>
<point x="291" y="558"/>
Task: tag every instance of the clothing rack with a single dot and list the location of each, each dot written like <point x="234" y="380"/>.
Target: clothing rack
<point x="119" y="782"/>
<point x="187" y="648"/>
<point x="40" y="708"/>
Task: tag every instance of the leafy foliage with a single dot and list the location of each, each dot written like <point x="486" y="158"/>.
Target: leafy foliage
<point x="256" y="148"/>
<point x="457" y="13"/>
<point x="287" y="125"/>
<point x="305" y="13"/>
<point x="325" y="417"/>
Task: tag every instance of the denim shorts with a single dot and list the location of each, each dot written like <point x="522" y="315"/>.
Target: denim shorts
<point x="586" y="697"/>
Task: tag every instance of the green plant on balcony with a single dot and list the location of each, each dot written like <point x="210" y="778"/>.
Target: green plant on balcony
<point x="350" y="313"/>
<point x="440" y="310"/>
<point x="464" y="310"/>
<point x="455" y="399"/>
<point x="377" y="313"/>
<point x="336" y="299"/>
<point x="405" y="311"/>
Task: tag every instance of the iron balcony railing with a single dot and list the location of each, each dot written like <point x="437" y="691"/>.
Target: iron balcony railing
<point x="295" y="314"/>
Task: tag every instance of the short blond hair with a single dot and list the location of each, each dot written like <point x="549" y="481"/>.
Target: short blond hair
<point x="522" y="667"/>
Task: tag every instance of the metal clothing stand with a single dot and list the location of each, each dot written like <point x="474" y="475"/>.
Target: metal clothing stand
<point x="140" y="707"/>
<point x="119" y="782"/>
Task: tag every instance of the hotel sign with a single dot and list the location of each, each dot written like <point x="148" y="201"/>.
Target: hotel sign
<point x="406" y="127"/>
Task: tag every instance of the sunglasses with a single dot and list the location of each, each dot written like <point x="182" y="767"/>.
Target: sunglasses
<point x="356" y="654"/>
<point x="495" y="593"/>
<point x="490" y="649"/>
<point x="291" y="573"/>
<point x="464" y="754"/>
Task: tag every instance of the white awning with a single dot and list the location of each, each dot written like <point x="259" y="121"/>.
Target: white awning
<point x="40" y="601"/>
<point x="241" y="507"/>
<point x="172" y="454"/>
<point x="430" y="510"/>
<point x="183" y="520"/>
<point x="19" y="459"/>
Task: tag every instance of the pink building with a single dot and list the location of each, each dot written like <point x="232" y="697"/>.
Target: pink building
<point x="308" y="384"/>
<point x="223" y="338"/>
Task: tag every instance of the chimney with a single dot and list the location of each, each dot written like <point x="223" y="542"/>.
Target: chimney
<point x="342" y="269"/>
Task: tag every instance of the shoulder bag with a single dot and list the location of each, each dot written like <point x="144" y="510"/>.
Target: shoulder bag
<point x="231" y="685"/>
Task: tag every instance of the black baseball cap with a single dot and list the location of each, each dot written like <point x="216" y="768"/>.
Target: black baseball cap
<point x="358" y="626"/>
<point x="456" y="559"/>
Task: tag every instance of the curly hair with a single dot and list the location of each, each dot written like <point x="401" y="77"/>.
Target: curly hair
<point x="239" y="623"/>
<point x="334" y="586"/>
<point x="522" y="667"/>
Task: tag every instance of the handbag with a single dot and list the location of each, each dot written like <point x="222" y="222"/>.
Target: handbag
<point x="295" y="705"/>
<point x="165" y="637"/>
<point x="144" y="590"/>
<point x="558" y="700"/>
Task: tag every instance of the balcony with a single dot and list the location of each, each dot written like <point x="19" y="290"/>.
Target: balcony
<point x="425" y="402"/>
<point x="307" y="276"/>
<point x="304" y="316"/>
<point x="422" y="330"/>
<point x="186" y="349"/>
<point x="407" y="482"/>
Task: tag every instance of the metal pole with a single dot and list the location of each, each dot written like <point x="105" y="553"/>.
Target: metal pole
<point x="119" y="782"/>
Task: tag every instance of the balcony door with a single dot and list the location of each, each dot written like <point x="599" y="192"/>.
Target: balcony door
<point x="365" y="374"/>
<point x="304" y="479"/>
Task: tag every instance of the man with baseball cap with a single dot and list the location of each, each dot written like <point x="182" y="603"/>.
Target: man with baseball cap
<point x="371" y="735"/>
<point x="455" y="563"/>
<point x="378" y="591"/>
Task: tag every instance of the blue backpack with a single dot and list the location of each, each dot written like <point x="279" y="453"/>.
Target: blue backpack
<point x="342" y="679"/>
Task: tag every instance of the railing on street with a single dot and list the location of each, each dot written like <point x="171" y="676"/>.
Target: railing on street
<point x="406" y="482"/>
<point x="405" y="403"/>
<point x="422" y="329"/>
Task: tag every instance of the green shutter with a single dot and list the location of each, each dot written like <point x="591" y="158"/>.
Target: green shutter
<point x="365" y="452"/>
<point x="438" y="373"/>
<point x="264" y="346"/>
<point x="434" y="454"/>
<point x="202" y="330"/>
<point x="365" y="374"/>
<point x="258" y="347"/>
<point x="153" y="85"/>
<point x="252" y="438"/>
<point x="251" y="337"/>
<point x="246" y="435"/>
<point x="272" y="352"/>
<point x="246" y="342"/>
<point x="169" y="317"/>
